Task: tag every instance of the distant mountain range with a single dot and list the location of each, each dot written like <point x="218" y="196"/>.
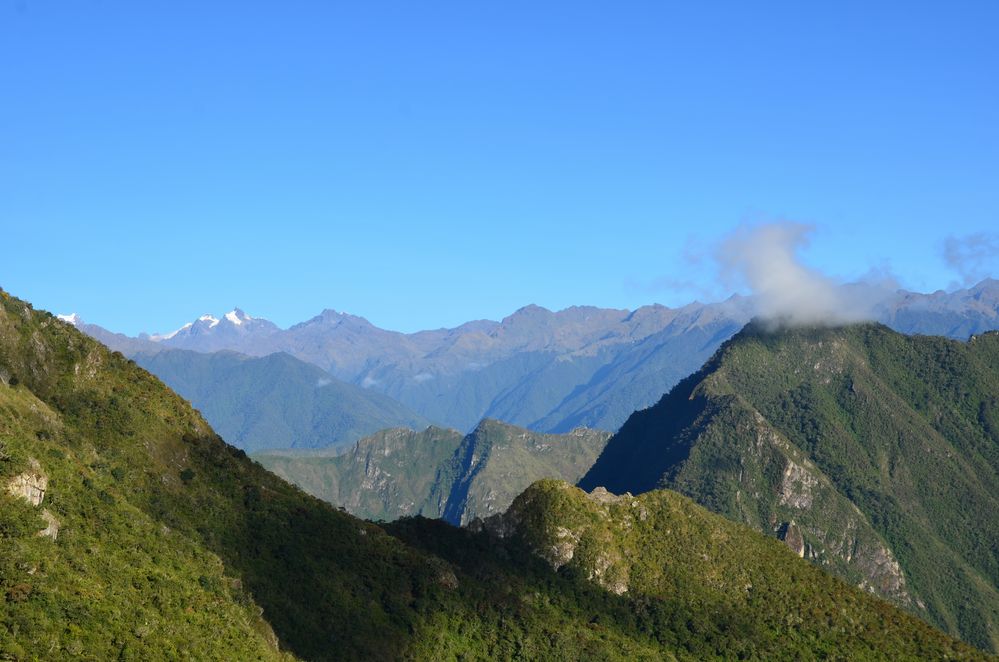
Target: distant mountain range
<point x="276" y="401"/>
<point x="129" y="530"/>
<point x="872" y="453"/>
<point x="436" y="472"/>
<point x="547" y="371"/>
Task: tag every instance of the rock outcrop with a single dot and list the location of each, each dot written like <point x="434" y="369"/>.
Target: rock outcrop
<point x="30" y="485"/>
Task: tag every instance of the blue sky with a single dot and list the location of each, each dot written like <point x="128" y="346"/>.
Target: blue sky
<point x="422" y="164"/>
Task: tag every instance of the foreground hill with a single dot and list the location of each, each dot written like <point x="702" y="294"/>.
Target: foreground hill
<point x="276" y="401"/>
<point x="750" y="596"/>
<point x="438" y="472"/>
<point x="874" y="454"/>
<point x="129" y="530"/>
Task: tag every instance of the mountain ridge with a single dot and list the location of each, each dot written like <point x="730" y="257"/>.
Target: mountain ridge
<point x="172" y="544"/>
<point x="438" y="472"/>
<point x="872" y="453"/>
<point x="275" y="401"/>
<point x="550" y="371"/>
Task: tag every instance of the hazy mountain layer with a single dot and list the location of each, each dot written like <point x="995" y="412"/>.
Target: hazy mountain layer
<point x="276" y="401"/>
<point x="129" y="530"/>
<point x="438" y="472"/>
<point x="872" y="453"/>
<point x="550" y="371"/>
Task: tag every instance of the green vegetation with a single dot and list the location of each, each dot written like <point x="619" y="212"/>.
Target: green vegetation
<point x="390" y="474"/>
<point x="880" y="450"/>
<point x="172" y="545"/>
<point x="438" y="472"/>
<point x="743" y="596"/>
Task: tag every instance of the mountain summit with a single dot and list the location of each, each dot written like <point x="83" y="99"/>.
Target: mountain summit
<point x="871" y="453"/>
<point x="550" y="371"/>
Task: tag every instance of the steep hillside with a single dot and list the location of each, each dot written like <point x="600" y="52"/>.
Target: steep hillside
<point x="750" y="597"/>
<point x="874" y="454"/>
<point x="390" y="474"/>
<point x="497" y="461"/>
<point x="276" y="401"/>
<point x="129" y="530"/>
<point x="438" y="472"/>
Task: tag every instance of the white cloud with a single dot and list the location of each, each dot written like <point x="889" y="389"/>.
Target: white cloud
<point x="766" y="258"/>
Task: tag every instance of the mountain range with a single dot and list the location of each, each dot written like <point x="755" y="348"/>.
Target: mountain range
<point x="872" y="453"/>
<point x="131" y="531"/>
<point x="547" y="371"/>
<point x="436" y="472"/>
<point x="276" y="401"/>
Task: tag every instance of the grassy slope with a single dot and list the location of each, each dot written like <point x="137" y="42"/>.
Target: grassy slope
<point x="897" y="427"/>
<point x="136" y="471"/>
<point x="762" y="600"/>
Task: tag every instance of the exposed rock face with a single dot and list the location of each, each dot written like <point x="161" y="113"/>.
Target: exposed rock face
<point x="791" y="535"/>
<point x="51" y="529"/>
<point x="569" y="542"/>
<point x="796" y="486"/>
<point x="884" y="575"/>
<point x="563" y="547"/>
<point x="30" y="485"/>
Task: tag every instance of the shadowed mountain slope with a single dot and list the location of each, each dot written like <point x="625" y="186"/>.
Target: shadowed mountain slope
<point x="874" y="454"/>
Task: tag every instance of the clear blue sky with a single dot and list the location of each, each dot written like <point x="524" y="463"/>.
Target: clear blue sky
<point x="423" y="164"/>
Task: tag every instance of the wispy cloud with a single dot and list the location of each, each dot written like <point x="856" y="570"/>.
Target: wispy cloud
<point x="766" y="258"/>
<point x="973" y="257"/>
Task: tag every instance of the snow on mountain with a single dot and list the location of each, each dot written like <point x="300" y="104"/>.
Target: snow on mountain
<point x="237" y="316"/>
<point x="72" y="318"/>
<point x="156" y="337"/>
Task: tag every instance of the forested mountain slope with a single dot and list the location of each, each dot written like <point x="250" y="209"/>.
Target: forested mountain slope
<point x="874" y="454"/>
<point x="129" y="530"/>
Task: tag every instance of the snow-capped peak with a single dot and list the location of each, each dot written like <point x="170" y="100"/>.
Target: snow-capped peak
<point x="237" y="316"/>
<point x="72" y="318"/>
<point x="211" y="320"/>
<point x="168" y="336"/>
